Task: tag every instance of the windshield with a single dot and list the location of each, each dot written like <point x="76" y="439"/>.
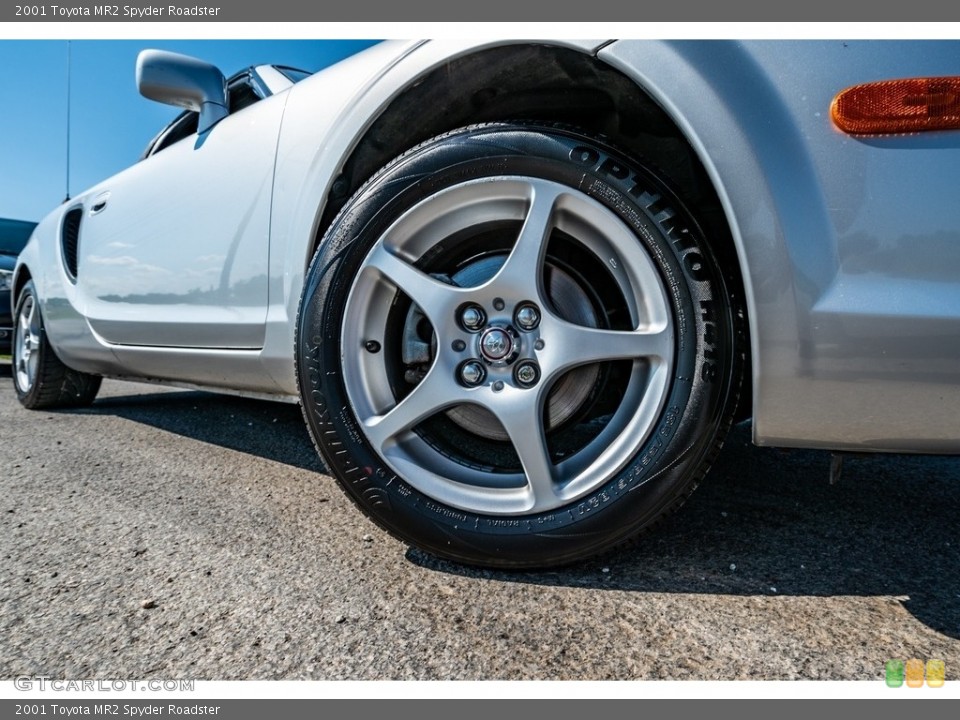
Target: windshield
<point x="14" y="235"/>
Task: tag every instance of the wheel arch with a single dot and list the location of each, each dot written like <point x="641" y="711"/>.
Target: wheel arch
<point x="22" y="277"/>
<point x="546" y="83"/>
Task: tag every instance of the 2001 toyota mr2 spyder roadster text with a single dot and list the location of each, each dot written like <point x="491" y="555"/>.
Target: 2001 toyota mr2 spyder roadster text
<point x="522" y="290"/>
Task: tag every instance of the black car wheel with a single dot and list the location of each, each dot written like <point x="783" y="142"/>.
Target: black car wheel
<point x="40" y="378"/>
<point x="515" y="347"/>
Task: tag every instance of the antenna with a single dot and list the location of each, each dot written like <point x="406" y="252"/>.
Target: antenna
<point x="68" y="123"/>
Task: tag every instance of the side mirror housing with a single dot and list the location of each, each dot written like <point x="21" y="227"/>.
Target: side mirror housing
<point x="183" y="81"/>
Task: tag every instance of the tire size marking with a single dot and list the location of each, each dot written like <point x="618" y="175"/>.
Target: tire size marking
<point x="347" y="425"/>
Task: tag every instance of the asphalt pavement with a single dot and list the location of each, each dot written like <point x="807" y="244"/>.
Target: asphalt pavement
<point x="174" y="534"/>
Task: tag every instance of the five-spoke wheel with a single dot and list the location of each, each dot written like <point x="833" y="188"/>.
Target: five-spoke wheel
<point x="513" y="340"/>
<point x="514" y="347"/>
<point x="26" y="344"/>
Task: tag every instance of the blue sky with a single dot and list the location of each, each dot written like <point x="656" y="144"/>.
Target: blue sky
<point x="110" y="122"/>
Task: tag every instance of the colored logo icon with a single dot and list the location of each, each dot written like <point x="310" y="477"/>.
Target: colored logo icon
<point x="936" y="672"/>
<point x="914" y="673"/>
<point x="894" y="673"/>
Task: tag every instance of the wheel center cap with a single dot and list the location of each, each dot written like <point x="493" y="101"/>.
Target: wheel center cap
<point x="495" y="344"/>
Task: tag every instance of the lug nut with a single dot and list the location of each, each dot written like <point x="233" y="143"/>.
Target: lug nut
<point x="472" y="373"/>
<point x="472" y="317"/>
<point x="527" y="374"/>
<point x="527" y="317"/>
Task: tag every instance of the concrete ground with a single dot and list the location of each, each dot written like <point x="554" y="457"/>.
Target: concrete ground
<point x="176" y="534"/>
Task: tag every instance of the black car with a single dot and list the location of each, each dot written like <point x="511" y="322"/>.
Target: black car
<point x="13" y="236"/>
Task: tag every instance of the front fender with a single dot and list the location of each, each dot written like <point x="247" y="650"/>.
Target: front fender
<point x="325" y="118"/>
<point x="838" y="238"/>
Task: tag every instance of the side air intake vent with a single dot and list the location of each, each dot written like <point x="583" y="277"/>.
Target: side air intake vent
<point x="69" y="240"/>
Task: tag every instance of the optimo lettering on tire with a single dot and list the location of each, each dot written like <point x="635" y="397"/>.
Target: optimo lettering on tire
<point x="515" y="348"/>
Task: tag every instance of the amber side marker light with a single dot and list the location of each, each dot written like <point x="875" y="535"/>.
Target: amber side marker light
<point x="898" y="106"/>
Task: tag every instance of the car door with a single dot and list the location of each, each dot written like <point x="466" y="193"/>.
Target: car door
<point x="174" y="250"/>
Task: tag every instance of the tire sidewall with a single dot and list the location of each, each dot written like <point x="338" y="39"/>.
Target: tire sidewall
<point x="669" y="463"/>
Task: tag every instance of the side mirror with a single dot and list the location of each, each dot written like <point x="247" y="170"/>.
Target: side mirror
<point x="186" y="82"/>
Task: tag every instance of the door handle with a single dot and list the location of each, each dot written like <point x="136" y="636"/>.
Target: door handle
<point x="99" y="203"/>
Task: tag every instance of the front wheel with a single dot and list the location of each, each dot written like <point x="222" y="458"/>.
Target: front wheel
<point x="39" y="377"/>
<point x="515" y="347"/>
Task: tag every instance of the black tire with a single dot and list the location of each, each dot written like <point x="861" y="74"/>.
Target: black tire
<point x="349" y="373"/>
<point x="39" y="377"/>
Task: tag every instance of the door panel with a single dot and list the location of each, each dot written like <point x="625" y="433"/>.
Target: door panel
<point x="174" y="250"/>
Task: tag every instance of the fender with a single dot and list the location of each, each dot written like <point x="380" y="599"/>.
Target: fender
<point x="838" y="361"/>
<point x="320" y="131"/>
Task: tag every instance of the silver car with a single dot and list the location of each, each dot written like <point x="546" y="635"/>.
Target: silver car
<point x="522" y="290"/>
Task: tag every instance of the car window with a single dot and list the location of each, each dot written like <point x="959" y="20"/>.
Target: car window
<point x="294" y="75"/>
<point x="184" y="126"/>
<point x="242" y="92"/>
